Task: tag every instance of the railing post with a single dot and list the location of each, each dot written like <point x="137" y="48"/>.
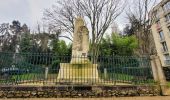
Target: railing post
<point x="159" y="74"/>
<point x="105" y="73"/>
<point x="46" y="72"/>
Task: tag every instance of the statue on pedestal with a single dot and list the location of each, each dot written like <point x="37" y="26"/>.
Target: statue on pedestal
<point x="80" y="69"/>
<point x="80" y="42"/>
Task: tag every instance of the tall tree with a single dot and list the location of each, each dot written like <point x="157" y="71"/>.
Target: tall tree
<point x="140" y="23"/>
<point x="98" y="14"/>
<point x="118" y="45"/>
<point x="4" y="36"/>
<point x="60" y="47"/>
<point x="10" y="35"/>
<point x="25" y="43"/>
<point x="16" y="30"/>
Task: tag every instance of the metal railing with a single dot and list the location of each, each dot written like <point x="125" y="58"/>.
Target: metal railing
<point x="165" y="51"/>
<point x="162" y="39"/>
<point x="167" y="62"/>
<point x="46" y="69"/>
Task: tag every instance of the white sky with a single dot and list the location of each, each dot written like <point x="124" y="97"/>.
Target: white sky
<point x="26" y="11"/>
<point x="31" y="11"/>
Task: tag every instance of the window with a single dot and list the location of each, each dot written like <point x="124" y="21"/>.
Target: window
<point x="156" y="14"/>
<point x="166" y="7"/>
<point x="161" y="34"/>
<point x="165" y="48"/>
<point x="169" y="30"/>
<point x="158" y="25"/>
<point x="167" y="57"/>
<point x="168" y="18"/>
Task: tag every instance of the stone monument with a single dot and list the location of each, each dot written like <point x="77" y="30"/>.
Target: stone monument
<point x="80" y="43"/>
<point x="80" y="69"/>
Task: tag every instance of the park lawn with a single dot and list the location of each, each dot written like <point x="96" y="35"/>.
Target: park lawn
<point x="33" y="77"/>
<point x="30" y="76"/>
<point x="124" y="78"/>
<point x="52" y="76"/>
<point x="117" y="76"/>
<point x="168" y="83"/>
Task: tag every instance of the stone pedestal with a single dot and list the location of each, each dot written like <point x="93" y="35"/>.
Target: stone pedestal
<point x="80" y="69"/>
<point x="80" y="60"/>
<point x="78" y="73"/>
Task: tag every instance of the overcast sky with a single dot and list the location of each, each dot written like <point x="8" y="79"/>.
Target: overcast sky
<point x="26" y="11"/>
<point x="30" y="11"/>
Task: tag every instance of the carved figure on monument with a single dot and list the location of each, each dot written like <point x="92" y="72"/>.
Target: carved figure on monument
<point x="80" y="67"/>
<point x="80" y="38"/>
<point x="80" y="42"/>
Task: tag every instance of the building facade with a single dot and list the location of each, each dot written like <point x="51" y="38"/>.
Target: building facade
<point x="160" y="27"/>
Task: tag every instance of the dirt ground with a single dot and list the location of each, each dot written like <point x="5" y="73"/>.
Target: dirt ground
<point x="120" y="98"/>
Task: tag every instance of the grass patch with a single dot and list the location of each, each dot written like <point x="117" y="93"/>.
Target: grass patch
<point x="168" y="84"/>
<point x="24" y="77"/>
<point x="125" y="78"/>
<point x="33" y="76"/>
<point x="116" y="76"/>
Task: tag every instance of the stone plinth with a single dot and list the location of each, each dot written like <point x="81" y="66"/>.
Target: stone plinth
<point x="80" y="69"/>
<point x="80" y="46"/>
<point x="78" y="73"/>
<point x="79" y="60"/>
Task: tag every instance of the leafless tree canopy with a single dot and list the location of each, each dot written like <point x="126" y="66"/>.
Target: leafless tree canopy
<point x="98" y="14"/>
<point x="139" y="16"/>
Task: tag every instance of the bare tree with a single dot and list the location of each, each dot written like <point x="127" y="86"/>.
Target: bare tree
<point x="141" y="21"/>
<point x="4" y="34"/>
<point x="61" y="17"/>
<point x="98" y="14"/>
<point x="43" y="35"/>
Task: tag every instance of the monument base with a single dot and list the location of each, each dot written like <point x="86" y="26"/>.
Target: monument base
<point x="81" y="60"/>
<point x="78" y="73"/>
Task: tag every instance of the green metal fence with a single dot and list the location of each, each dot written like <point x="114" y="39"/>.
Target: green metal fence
<point x="44" y="69"/>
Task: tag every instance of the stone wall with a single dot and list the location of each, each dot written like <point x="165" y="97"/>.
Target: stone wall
<point x="77" y="91"/>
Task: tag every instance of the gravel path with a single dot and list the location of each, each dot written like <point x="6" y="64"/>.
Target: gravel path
<point x="120" y="98"/>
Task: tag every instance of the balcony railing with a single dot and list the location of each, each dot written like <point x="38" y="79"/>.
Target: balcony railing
<point x="164" y="51"/>
<point x="162" y="39"/>
<point x="168" y="23"/>
<point x="166" y="12"/>
<point x="158" y="26"/>
<point x="167" y="62"/>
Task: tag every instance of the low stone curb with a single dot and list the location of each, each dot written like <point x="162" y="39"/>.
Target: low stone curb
<point x="77" y="91"/>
